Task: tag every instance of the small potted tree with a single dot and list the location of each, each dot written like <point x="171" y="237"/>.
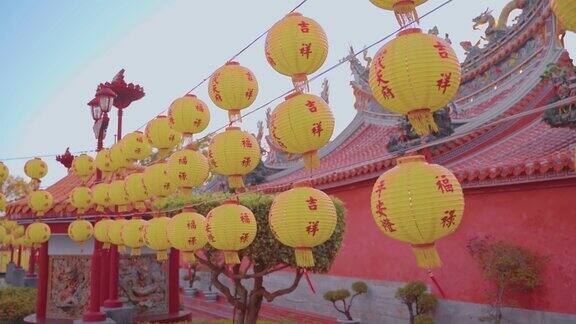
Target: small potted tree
<point x="342" y="295"/>
<point x="421" y="304"/>
<point x="211" y="295"/>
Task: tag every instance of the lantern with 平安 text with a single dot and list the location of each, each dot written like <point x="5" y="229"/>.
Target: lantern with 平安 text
<point x="133" y="235"/>
<point x="157" y="181"/>
<point x="101" y="231"/>
<point x="415" y="75"/>
<point x="36" y="169"/>
<point x="230" y="228"/>
<point x="38" y="233"/>
<point x="118" y="196"/>
<point x="101" y="197"/>
<point x="405" y="10"/>
<point x="565" y="12"/>
<point x="156" y="237"/>
<point x="189" y="115"/>
<point x="188" y="169"/>
<point x="161" y="135"/>
<point x="302" y="218"/>
<point x="81" y="199"/>
<point x="296" y="46"/>
<point x="233" y="88"/>
<point x="40" y="201"/>
<point x="136" y="191"/>
<point x="302" y="124"/>
<point x="136" y="146"/>
<point x="80" y="230"/>
<point x="418" y="203"/>
<point x="115" y="233"/>
<point x="103" y="162"/>
<point x="83" y="167"/>
<point x="234" y="153"/>
<point x="186" y="232"/>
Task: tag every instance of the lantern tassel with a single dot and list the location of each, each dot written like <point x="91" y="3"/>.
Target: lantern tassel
<point x="135" y="252"/>
<point x="231" y="257"/>
<point x="405" y="12"/>
<point x="300" y="82"/>
<point x="162" y="255"/>
<point x="426" y="256"/>
<point x="311" y="160"/>
<point x="234" y="116"/>
<point x="422" y="121"/>
<point x="189" y="257"/>
<point x="236" y="181"/>
<point x="304" y="257"/>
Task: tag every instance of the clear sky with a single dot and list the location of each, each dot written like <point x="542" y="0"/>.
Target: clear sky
<point x="54" y="53"/>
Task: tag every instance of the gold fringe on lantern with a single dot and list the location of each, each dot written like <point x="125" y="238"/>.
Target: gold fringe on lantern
<point x="189" y="257"/>
<point x="311" y="160"/>
<point x="231" y="257"/>
<point x="163" y="153"/>
<point x="236" y="181"/>
<point x="135" y="252"/>
<point x="422" y="121"/>
<point x="99" y="208"/>
<point x="406" y="13"/>
<point x="234" y="116"/>
<point x="300" y="82"/>
<point x="162" y="255"/>
<point x="426" y="256"/>
<point x="304" y="257"/>
<point x="106" y="246"/>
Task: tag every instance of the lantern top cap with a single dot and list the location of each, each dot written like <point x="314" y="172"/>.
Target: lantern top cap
<point x="409" y="31"/>
<point x="190" y="95"/>
<point x="189" y="210"/>
<point x="232" y="128"/>
<point x="232" y="63"/>
<point x="294" y="14"/>
<point x="412" y="158"/>
<point x="293" y="94"/>
<point x="303" y="184"/>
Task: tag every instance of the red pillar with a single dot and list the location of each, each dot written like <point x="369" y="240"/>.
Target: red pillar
<point x="11" y="254"/>
<point x="93" y="314"/>
<point x="104" y="277"/>
<point x="19" y="262"/>
<point x="42" y="292"/>
<point x="112" y="301"/>
<point x="173" y="282"/>
<point x="32" y="262"/>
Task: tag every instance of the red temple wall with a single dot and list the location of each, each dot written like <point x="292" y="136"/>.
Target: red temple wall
<point x="539" y="216"/>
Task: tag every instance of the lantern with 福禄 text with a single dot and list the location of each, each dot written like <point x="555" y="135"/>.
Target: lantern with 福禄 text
<point x="115" y="233"/>
<point x="234" y="153"/>
<point x="157" y="181"/>
<point x="2" y="202"/>
<point x="186" y="232"/>
<point x="100" y="196"/>
<point x="80" y="230"/>
<point x="136" y="191"/>
<point x="81" y="199"/>
<point x="303" y="218"/>
<point x="418" y="203"/>
<point x="302" y="124"/>
<point x="83" y="167"/>
<point x="161" y="135"/>
<point x="156" y="237"/>
<point x="233" y="88"/>
<point x="230" y="228"/>
<point x="101" y="232"/>
<point x="415" y="75"/>
<point x="4" y="173"/>
<point x="405" y="10"/>
<point x="38" y="233"/>
<point x="118" y="196"/>
<point x="296" y="46"/>
<point x="136" y="146"/>
<point x="189" y="115"/>
<point x="133" y="235"/>
<point x="36" y="169"/>
<point x="188" y="169"/>
<point x="103" y="162"/>
<point x="565" y="12"/>
<point x="40" y="201"/>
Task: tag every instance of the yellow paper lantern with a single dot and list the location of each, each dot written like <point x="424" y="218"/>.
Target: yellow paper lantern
<point x="80" y="230"/>
<point x="3" y="233"/>
<point x="415" y="74"/>
<point x="36" y="169"/>
<point x="38" y="233"/>
<point x="133" y="235"/>
<point x="303" y="218"/>
<point x="156" y="237"/>
<point x="118" y="196"/>
<point x="302" y="124"/>
<point x="296" y="46"/>
<point x="418" y="203"/>
<point x="188" y="169"/>
<point x="118" y="159"/>
<point x="405" y="10"/>
<point x="161" y="136"/>
<point x="4" y="172"/>
<point x="101" y="231"/>
<point x="81" y="199"/>
<point x="100" y="196"/>
<point x="8" y="240"/>
<point x="230" y="228"/>
<point x="136" y="191"/>
<point x="136" y="146"/>
<point x="565" y="12"/>
<point x="103" y="162"/>
<point x="186" y="232"/>
<point x="83" y="167"/>
<point x="2" y="202"/>
<point x="234" y="153"/>
<point x="233" y="88"/>
<point x="115" y="233"/>
<point x="10" y="224"/>
<point x="18" y="231"/>
<point x="189" y="115"/>
<point x="40" y="201"/>
<point x="157" y="181"/>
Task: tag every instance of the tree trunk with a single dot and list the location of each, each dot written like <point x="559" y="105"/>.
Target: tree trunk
<point x="255" y="302"/>
<point x="411" y="311"/>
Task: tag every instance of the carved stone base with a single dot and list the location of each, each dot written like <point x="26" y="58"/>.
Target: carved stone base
<point x="120" y="315"/>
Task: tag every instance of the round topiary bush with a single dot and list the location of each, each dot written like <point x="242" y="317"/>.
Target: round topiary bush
<point x="16" y="303"/>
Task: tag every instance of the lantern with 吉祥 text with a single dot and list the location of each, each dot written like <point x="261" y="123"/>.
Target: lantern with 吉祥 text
<point x="136" y="191"/>
<point x="100" y="196"/>
<point x="103" y="162"/>
<point x="157" y="181"/>
<point x="161" y="135"/>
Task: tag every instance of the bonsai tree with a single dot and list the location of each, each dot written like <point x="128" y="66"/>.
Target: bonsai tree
<point x="512" y="269"/>
<point x="263" y="257"/>
<point x="341" y="295"/>
<point x="421" y="304"/>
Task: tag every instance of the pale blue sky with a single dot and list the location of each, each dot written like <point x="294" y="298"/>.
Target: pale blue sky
<point x="54" y="53"/>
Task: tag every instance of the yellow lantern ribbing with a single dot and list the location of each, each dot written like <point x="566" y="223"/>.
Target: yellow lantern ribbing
<point x="186" y="232"/>
<point x="157" y="181"/>
<point x="83" y="167"/>
<point x="100" y="196"/>
<point x="101" y="231"/>
<point x="133" y="235"/>
<point x="296" y="46"/>
<point x="103" y="162"/>
<point x="136" y="146"/>
<point x="234" y="153"/>
<point x="405" y="10"/>
<point x="80" y="230"/>
<point x="565" y="10"/>
<point x="36" y="169"/>
<point x="136" y="191"/>
<point x="230" y="228"/>
<point x="40" y="201"/>
<point x="189" y="115"/>
<point x="188" y="169"/>
<point x="118" y="196"/>
<point x="418" y="203"/>
<point x="161" y="136"/>
<point x="2" y="202"/>
<point x="38" y="233"/>
<point x="233" y="88"/>
<point x="118" y="159"/>
<point x="115" y="233"/>
<point x="303" y="218"/>
<point x="415" y="74"/>
<point x="4" y="172"/>
<point x="156" y="237"/>
<point x="81" y="199"/>
<point x="302" y="124"/>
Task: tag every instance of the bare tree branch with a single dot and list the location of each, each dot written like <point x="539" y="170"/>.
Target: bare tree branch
<point x="216" y="272"/>
<point x="270" y="296"/>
